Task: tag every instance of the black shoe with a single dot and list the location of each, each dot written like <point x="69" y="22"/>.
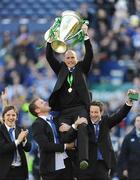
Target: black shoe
<point x="83" y="164"/>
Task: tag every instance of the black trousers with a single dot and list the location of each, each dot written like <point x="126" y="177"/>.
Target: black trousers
<point x="69" y="116"/>
<point x="63" y="174"/>
<point x="15" y="173"/>
<point x="97" y="171"/>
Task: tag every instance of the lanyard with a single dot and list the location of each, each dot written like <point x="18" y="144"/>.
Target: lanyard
<point x="70" y="80"/>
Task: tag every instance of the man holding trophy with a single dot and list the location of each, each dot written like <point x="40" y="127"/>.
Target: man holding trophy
<point x="70" y="95"/>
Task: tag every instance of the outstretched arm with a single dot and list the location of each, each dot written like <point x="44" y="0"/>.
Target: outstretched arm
<point x="69" y="132"/>
<point x="43" y="140"/>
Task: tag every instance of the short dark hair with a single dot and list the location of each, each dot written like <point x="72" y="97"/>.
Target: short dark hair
<point x="138" y="115"/>
<point x="134" y="119"/>
<point x="99" y="104"/>
<point x="8" y="108"/>
<point x="32" y="107"/>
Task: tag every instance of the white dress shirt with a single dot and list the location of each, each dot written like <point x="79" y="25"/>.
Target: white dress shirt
<point x="16" y="162"/>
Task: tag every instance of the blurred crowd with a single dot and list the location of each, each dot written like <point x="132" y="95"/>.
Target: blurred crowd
<point x="114" y="28"/>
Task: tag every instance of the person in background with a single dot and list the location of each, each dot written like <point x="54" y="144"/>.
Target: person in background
<point x="129" y="158"/>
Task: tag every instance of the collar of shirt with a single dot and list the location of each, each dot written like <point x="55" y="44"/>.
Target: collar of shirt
<point x="71" y="69"/>
<point x="138" y="132"/>
<point x="8" y="128"/>
<point x="46" y="117"/>
<point x="94" y="123"/>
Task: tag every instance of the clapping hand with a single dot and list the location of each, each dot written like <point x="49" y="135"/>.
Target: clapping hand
<point x="22" y="135"/>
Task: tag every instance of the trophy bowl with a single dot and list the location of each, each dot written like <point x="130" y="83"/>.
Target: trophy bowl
<point x="64" y="30"/>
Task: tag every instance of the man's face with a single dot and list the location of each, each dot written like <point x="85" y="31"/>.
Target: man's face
<point x="70" y="58"/>
<point x="42" y="107"/>
<point x="95" y="113"/>
<point x="10" y="118"/>
<point x="137" y="123"/>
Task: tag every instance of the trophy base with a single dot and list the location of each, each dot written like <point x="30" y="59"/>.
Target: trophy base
<point x="59" y="46"/>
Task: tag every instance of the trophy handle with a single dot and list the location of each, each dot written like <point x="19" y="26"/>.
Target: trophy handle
<point x="80" y="31"/>
<point x="50" y="35"/>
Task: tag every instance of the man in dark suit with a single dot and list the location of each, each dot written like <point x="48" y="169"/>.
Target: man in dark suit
<point x="13" y="143"/>
<point x="129" y="158"/>
<point x="70" y="95"/>
<point x="54" y="162"/>
<point x="101" y="154"/>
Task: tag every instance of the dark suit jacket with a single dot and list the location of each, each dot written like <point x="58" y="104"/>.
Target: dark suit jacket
<point x="104" y="141"/>
<point x="43" y="135"/>
<point x="80" y="72"/>
<point x="7" y="149"/>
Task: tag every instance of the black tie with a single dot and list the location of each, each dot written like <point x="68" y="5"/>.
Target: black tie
<point x="96" y="128"/>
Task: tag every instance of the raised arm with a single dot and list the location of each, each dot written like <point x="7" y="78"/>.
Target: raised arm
<point x="52" y="60"/>
<point x="4" y="98"/>
<point x="122" y="113"/>
<point x="86" y="63"/>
